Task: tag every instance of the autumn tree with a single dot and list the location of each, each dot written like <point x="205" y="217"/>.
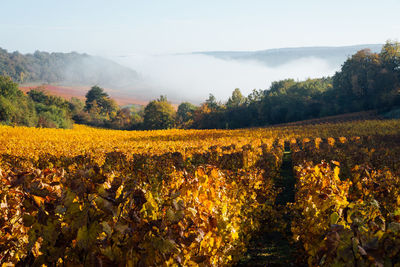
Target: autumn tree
<point x="159" y="114"/>
<point x="97" y="99"/>
<point x="212" y="103"/>
<point x="184" y="115"/>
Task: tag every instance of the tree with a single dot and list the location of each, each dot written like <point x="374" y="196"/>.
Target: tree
<point x="8" y="88"/>
<point x="52" y="116"/>
<point x="52" y="111"/>
<point x="76" y="105"/>
<point x="184" y="115"/>
<point x="236" y="100"/>
<point x="254" y="97"/>
<point x="122" y="120"/>
<point x="368" y="80"/>
<point x="15" y="107"/>
<point x="98" y="101"/>
<point x="162" y="98"/>
<point x="356" y="84"/>
<point x="159" y="114"/>
<point x="390" y="54"/>
<point x="212" y="103"/>
<point x="97" y="94"/>
<point x="37" y="95"/>
<point x="280" y="87"/>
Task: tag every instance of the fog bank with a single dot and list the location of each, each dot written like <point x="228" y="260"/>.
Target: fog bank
<point x="192" y="77"/>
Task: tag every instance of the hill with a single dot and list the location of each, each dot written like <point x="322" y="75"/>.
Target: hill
<point x="334" y="56"/>
<point x="66" y="68"/>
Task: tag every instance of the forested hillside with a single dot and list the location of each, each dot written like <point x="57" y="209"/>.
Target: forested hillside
<point x="366" y="81"/>
<point x="68" y="68"/>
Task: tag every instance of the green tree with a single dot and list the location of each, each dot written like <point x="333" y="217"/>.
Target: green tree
<point x="390" y="54"/>
<point x="100" y="106"/>
<point x="159" y="114"/>
<point x="389" y="76"/>
<point x="8" y="88"/>
<point x="52" y="111"/>
<point x="254" y="97"/>
<point x="51" y="116"/>
<point x="236" y="100"/>
<point x="212" y="103"/>
<point x="184" y="115"/>
<point x="15" y="107"/>
<point x="97" y="94"/>
<point x="38" y="96"/>
<point x="19" y="111"/>
<point x="76" y="105"/>
<point x="356" y="84"/>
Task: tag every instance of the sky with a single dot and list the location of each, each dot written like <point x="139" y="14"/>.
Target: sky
<point x="146" y="35"/>
<point x="173" y="26"/>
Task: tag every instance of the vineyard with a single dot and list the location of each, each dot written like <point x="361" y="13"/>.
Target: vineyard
<point x="95" y="197"/>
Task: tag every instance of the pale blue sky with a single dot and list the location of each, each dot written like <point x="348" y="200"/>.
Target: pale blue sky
<point x="167" y="26"/>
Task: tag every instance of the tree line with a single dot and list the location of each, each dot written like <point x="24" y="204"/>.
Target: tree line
<point x="366" y="81"/>
<point x="39" y="109"/>
<point x="34" y="109"/>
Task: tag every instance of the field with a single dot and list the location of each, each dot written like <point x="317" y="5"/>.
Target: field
<point x="79" y="92"/>
<point x="324" y="195"/>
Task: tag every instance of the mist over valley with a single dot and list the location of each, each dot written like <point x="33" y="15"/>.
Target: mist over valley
<point x="181" y="77"/>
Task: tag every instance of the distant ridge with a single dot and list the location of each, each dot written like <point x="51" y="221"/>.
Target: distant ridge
<point x="334" y="55"/>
